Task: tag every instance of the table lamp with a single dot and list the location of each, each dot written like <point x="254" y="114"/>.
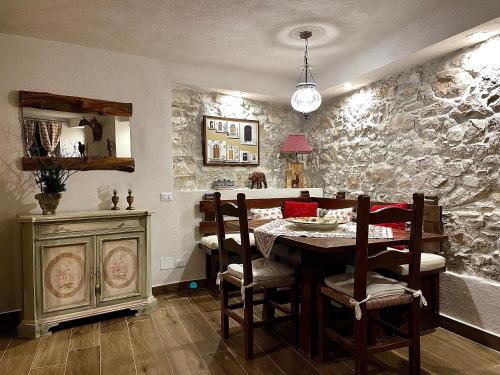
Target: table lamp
<point x="296" y="144"/>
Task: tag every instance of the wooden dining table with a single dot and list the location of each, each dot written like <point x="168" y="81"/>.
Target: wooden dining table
<point x="315" y="255"/>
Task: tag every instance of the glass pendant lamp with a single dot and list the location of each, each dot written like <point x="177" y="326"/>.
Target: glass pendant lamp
<point x="306" y="98"/>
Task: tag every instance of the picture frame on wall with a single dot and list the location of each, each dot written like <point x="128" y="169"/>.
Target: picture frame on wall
<point x="233" y="130"/>
<point x="230" y="141"/>
<point x="248" y="133"/>
<point x="221" y="126"/>
<point x="245" y="157"/>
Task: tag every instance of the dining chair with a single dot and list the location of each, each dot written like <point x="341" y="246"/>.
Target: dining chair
<point x="366" y="291"/>
<point x="259" y="275"/>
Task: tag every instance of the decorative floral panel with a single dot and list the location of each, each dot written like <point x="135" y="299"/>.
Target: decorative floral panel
<point x="64" y="277"/>
<point x="119" y="268"/>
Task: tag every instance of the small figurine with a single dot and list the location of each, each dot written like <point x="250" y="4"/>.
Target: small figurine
<point x="130" y="200"/>
<point x="95" y="126"/>
<point x="115" y="199"/>
<point x="110" y="148"/>
<point x="81" y="149"/>
<point x="258" y="178"/>
<point x="296" y="181"/>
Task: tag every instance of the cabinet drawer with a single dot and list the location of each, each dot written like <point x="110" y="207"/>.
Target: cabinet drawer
<point x="88" y="226"/>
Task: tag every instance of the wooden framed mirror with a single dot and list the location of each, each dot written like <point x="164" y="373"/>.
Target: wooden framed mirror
<point x="84" y="134"/>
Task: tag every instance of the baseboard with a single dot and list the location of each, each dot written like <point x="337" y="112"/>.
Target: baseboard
<point x="470" y="332"/>
<point x="178" y="287"/>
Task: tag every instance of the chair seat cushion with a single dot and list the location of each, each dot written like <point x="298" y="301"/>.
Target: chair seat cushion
<point x="428" y="262"/>
<point x="212" y="242"/>
<point x="376" y="285"/>
<point x="263" y="270"/>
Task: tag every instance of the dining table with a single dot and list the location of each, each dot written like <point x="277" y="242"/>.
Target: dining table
<point x="316" y="254"/>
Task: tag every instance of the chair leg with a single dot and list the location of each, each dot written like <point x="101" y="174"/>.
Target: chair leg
<point x="267" y="309"/>
<point x="294" y="307"/>
<point x="361" y="343"/>
<point x="248" y="325"/>
<point x="414" y="323"/>
<point x="224" y="300"/>
<point x="323" y="321"/>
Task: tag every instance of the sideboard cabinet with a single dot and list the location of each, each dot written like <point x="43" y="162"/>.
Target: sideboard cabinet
<point x="81" y="264"/>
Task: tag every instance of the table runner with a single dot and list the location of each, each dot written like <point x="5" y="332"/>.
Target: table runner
<point x="266" y="234"/>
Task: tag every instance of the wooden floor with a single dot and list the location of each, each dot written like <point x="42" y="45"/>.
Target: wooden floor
<point x="182" y="337"/>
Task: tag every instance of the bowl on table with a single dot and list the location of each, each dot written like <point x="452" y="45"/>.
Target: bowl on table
<point x="315" y="223"/>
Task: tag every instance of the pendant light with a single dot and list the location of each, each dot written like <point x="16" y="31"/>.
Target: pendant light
<point x="306" y="98"/>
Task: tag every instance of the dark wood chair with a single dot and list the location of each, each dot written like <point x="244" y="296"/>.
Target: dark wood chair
<point x="367" y="292"/>
<point x="251" y="276"/>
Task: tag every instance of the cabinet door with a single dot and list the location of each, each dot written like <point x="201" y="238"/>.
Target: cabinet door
<point x="64" y="277"/>
<point x="120" y="259"/>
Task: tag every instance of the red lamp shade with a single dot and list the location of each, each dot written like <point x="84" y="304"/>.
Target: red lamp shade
<point x="296" y="144"/>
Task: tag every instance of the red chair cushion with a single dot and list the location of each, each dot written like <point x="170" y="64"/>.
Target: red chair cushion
<point x="300" y="209"/>
<point x="399" y="225"/>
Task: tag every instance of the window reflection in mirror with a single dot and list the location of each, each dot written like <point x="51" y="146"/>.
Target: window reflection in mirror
<point x="55" y="133"/>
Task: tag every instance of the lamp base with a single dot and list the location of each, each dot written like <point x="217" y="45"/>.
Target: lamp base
<point x="295" y="175"/>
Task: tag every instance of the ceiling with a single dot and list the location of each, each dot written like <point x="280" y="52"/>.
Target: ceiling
<point x="252" y="36"/>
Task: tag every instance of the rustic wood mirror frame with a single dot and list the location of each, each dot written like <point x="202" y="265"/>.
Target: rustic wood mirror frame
<point x="53" y="102"/>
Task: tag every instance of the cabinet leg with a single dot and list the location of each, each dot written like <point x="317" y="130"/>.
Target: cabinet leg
<point x="34" y="330"/>
<point x="146" y="309"/>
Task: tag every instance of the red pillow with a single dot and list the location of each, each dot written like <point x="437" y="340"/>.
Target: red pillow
<point x="400" y="225"/>
<point x="300" y="209"/>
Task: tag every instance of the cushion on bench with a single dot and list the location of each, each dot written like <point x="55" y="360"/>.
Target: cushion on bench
<point x="212" y="242"/>
<point x="428" y="262"/>
<point x="266" y="213"/>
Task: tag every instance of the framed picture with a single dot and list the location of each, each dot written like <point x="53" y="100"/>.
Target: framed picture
<point x="233" y="130"/>
<point x="221" y="126"/>
<point x="248" y="133"/>
<point x="230" y="141"/>
<point x="245" y="157"/>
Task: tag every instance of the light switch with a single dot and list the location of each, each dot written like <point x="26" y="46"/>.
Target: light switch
<point x="166" y="197"/>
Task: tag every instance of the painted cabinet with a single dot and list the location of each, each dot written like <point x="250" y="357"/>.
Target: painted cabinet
<point x="82" y="264"/>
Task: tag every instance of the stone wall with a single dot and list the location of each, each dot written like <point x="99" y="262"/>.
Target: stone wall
<point x="434" y="129"/>
<point x="189" y="105"/>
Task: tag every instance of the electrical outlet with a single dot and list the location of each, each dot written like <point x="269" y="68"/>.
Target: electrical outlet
<point x="167" y="263"/>
<point x="166" y="197"/>
<point x="180" y="262"/>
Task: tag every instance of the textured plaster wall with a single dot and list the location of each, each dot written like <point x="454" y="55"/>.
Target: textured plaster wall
<point x="189" y="105"/>
<point x="471" y="300"/>
<point x="36" y="65"/>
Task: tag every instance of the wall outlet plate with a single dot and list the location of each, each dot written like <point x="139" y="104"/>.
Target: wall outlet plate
<point x="167" y="263"/>
<point x="166" y="196"/>
<point x="180" y="262"/>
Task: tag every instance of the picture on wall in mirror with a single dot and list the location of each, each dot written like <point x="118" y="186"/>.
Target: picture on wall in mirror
<point x="228" y="141"/>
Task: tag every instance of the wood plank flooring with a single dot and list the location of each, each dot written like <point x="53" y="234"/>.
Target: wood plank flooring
<point x="182" y="337"/>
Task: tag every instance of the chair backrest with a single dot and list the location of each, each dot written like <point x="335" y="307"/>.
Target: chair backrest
<point x="229" y="245"/>
<point x="364" y="261"/>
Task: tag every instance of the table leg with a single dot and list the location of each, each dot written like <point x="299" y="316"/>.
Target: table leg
<point x="308" y="306"/>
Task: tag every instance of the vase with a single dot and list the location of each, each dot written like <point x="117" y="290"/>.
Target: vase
<point x="48" y="202"/>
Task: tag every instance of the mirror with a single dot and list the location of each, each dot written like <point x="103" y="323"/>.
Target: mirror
<point x="85" y="133"/>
